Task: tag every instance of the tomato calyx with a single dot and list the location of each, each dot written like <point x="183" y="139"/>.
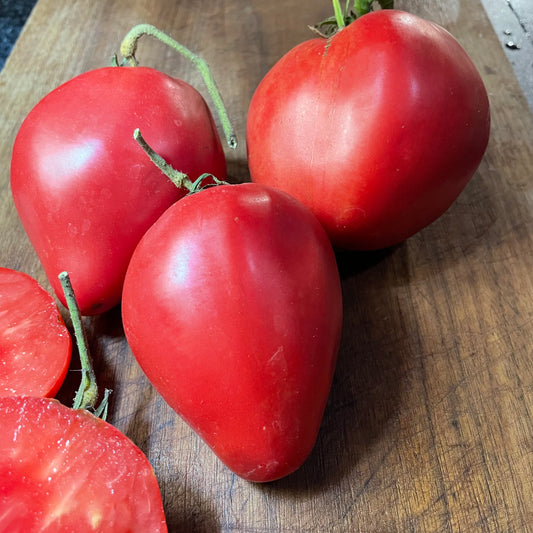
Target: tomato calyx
<point x="180" y="179"/>
<point x="87" y="393"/>
<point x="342" y="18"/>
<point x="199" y="184"/>
<point x="128" y="48"/>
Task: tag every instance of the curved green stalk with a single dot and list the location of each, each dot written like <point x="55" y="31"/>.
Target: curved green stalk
<point x="87" y="393"/>
<point x="128" y="48"/>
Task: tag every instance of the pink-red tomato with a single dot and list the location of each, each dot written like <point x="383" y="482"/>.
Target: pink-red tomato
<point x="85" y="191"/>
<point x="35" y="345"/>
<point x="232" y="307"/>
<point x="64" y="470"/>
<point x="376" y="129"/>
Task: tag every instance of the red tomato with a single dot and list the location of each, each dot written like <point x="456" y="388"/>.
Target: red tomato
<point x="64" y="470"/>
<point x="377" y="129"/>
<point x="35" y="345"/>
<point x="232" y="306"/>
<point x="83" y="188"/>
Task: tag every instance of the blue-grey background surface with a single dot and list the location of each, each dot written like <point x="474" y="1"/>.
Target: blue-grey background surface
<point x="13" y="15"/>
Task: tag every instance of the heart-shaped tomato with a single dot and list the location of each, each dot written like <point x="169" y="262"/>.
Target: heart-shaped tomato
<point x="232" y="306"/>
<point x="84" y="191"/>
<point x="376" y="129"/>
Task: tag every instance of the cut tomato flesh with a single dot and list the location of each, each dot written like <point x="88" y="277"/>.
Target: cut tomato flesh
<point x="35" y="345"/>
<point x="65" y="470"/>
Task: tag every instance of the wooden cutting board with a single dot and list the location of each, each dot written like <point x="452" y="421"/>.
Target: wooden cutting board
<point x="429" y="425"/>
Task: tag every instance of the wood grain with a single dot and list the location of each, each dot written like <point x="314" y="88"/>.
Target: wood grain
<point x="429" y="425"/>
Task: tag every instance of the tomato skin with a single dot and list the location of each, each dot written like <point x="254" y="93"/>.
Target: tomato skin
<point x="377" y="130"/>
<point x="85" y="191"/>
<point x="64" y="470"/>
<point x="232" y="307"/>
<point x="35" y="345"/>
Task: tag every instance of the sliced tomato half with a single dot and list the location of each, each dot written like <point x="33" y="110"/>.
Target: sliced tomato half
<point x="65" y="470"/>
<point x="35" y="345"/>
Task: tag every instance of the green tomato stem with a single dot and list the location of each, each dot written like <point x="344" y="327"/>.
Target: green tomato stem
<point x="330" y="26"/>
<point x="179" y="179"/>
<point x="339" y="15"/>
<point x="129" y="47"/>
<point x="87" y="393"/>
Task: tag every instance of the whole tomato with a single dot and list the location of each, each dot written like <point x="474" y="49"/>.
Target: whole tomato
<point x="84" y="191"/>
<point x="377" y="129"/>
<point x="232" y="306"/>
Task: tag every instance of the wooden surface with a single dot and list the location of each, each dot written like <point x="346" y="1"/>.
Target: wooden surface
<point x="429" y="425"/>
